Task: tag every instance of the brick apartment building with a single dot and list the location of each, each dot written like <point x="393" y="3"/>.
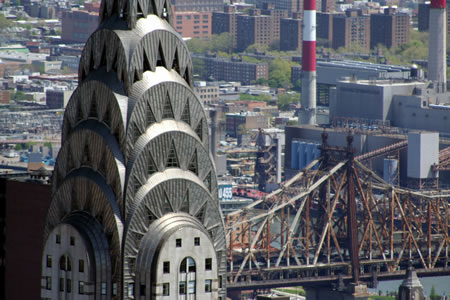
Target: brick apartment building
<point x="324" y="28"/>
<point x="208" y="94"/>
<point x="193" y="23"/>
<point x="198" y="5"/>
<point x="351" y="29"/>
<point x="226" y="22"/>
<point x="291" y="33"/>
<point x="276" y="15"/>
<point x="235" y="70"/>
<point x="389" y="29"/>
<point x="78" y="25"/>
<point x="253" y="29"/>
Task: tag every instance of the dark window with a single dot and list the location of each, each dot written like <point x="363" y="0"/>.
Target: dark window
<point x="80" y="287"/>
<point x="182" y="288"/>
<point x="208" y="286"/>
<point x="103" y="288"/>
<point x="166" y="288"/>
<point x="178" y="243"/>
<point x="208" y="264"/>
<point x="49" y="261"/>
<point x="69" y="285"/>
<point x="179" y="17"/>
<point x="81" y="266"/>
<point x="61" y="284"/>
<point x="196" y="241"/>
<point x="142" y="290"/>
<point x="48" y="283"/>
<point x="220" y="282"/>
<point x="72" y="241"/>
<point x="58" y="239"/>
<point x="166" y="267"/>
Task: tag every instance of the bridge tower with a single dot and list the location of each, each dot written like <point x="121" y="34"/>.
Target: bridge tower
<point x="134" y="210"/>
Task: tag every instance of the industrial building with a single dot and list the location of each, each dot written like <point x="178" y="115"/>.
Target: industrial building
<point x="330" y="72"/>
<point x="241" y="123"/>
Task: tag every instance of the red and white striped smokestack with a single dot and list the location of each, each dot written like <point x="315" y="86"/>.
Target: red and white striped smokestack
<point x="308" y="110"/>
<point x="437" y="64"/>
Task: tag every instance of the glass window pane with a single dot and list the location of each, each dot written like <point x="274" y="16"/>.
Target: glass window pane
<point x="191" y="287"/>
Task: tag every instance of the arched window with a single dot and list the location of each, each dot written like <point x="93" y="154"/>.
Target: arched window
<point x="187" y="265"/>
<point x="187" y="278"/>
<point x="65" y="263"/>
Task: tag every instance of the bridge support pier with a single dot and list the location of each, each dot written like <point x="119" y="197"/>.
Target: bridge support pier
<point x="352" y="292"/>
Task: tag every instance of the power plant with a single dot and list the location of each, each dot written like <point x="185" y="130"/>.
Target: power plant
<point x="437" y="66"/>
<point x="308" y="110"/>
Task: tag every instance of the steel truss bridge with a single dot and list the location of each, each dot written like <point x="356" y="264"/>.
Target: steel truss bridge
<point x="336" y="222"/>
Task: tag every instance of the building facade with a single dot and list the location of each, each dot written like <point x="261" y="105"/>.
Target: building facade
<point x="235" y="70"/>
<point x="291" y="33"/>
<point x="389" y="29"/>
<point x="225" y="22"/>
<point x="78" y="25"/>
<point x="324" y="28"/>
<point x="193" y="24"/>
<point x="253" y="29"/>
<point x="242" y="122"/>
<point x="351" y="29"/>
<point x="134" y="212"/>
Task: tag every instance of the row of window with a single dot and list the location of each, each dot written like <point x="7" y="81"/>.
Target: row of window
<point x="179" y="243"/>
<point x="186" y="287"/>
<point x="58" y="240"/>
<point x="187" y="265"/>
<point x="196" y="17"/>
<point x="65" y="263"/>
<point x="65" y="285"/>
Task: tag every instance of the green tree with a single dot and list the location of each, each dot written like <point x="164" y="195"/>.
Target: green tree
<point x="285" y="99"/>
<point x="433" y="294"/>
<point x="199" y="68"/>
<point x="280" y="73"/>
<point x="4" y="22"/>
<point x="18" y="147"/>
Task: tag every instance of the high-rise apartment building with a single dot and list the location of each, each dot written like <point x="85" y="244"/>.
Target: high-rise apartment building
<point x="291" y="33"/>
<point x="351" y="29"/>
<point x="253" y="29"/>
<point x="226" y="21"/>
<point x="324" y="28"/>
<point x="193" y="24"/>
<point x="423" y="18"/>
<point x="198" y="5"/>
<point x="77" y="25"/>
<point x="134" y="212"/>
<point x="389" y="29"/>
<point x="276" y="15"/>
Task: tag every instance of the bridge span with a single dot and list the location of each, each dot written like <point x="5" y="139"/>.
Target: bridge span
<point x="334" y="223"/>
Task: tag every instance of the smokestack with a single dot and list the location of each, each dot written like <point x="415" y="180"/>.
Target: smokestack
<point x="437" y="64"/>
<point x="308" y="110"/>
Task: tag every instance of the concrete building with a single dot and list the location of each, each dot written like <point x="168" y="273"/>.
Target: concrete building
<point x="365" y="99"/>
<point x="57" y="99"/>
<point x="253" y="28"/>
<point x="77" y="25"/>
<point x="134" y="210"/>
<point x="5" y="97"/>
<point x="208" y="94"/>
<point x="330" y="72"/>
<point x="291" y="33"/>
<point x="389" y="29"/>
<point x="235" y="70"/>
<point x="240" y="123"/>
<point x="193" y="24"/>
<point x="351" y="30"/>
